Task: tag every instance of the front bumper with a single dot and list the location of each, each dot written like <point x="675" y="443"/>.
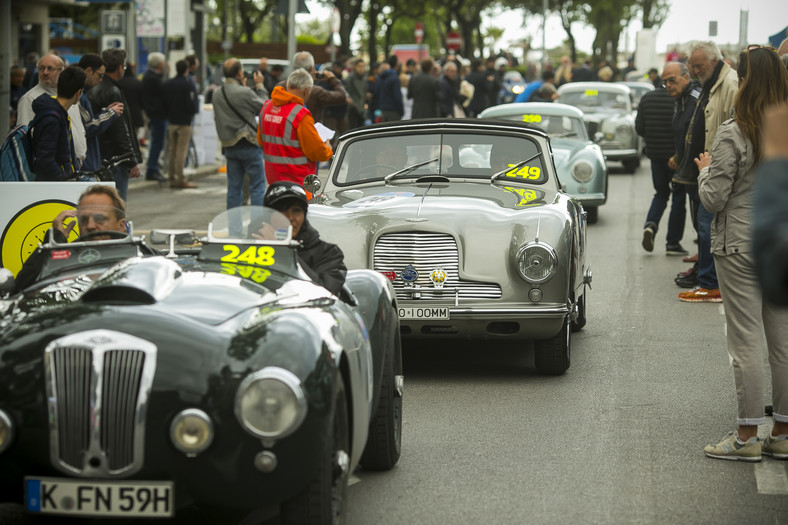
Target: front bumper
<point x="618" y="154"/>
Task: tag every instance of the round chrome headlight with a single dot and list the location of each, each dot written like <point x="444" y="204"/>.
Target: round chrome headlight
<point x="582" y="171"/>
<point x="6" y="431"/>
<point x="191" y="431"/>
<point x="624" y="131"/>
<point x="270" y="403"/>
<point x="536" y="262"/>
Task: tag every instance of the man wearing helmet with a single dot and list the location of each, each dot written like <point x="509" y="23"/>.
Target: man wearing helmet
<point x="322" y="261"/>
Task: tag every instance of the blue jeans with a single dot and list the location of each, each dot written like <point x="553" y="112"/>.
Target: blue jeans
<point x="158" y="129"/>
<point x="707" y="272"/>
<point x="661" y="176"/>
<point x="121" y="176"/>
<point x="242" y="158"/>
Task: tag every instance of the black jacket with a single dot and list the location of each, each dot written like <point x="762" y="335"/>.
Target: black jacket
<point x="322" y="261"/>
<point x="424" y="89"/>
<point x="653" y="123"/>
<point x="132" y="90"/>
<point x="449" y="95"/>
<point x="53" y="147"/>
<point x="121" y="137"/>
<point x="179" y="101"/>
<point x="683" y="108"/>
<point x="153" y="95"/>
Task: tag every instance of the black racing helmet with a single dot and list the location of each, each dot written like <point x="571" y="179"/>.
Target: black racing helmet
<point x="281" y="195"/>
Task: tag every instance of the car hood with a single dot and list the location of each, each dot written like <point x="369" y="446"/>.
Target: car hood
<point x="475" y="213"/>
<point x="601" y="116"/>
<point x="564" y="150"/>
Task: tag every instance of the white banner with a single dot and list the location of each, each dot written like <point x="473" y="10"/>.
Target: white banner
<point x="26" y="213"/>
<point x="150" y="18"/>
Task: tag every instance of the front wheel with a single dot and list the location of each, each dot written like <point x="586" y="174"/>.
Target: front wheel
<point x="322" y="501"/>
<point x="552" y="355"/>
<point x="592" y="214"/>
<point x="580" y="320"/>
<point x="384" y="443"/>
<point x="631" y="165"/>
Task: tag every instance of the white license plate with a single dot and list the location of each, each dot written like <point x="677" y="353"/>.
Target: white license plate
<point x="424" y="313"/>
<point x="151" y="499"/>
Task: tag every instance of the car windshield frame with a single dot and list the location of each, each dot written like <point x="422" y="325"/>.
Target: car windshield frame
<point x="544" y="121"/>
<point x="447" y="154"/>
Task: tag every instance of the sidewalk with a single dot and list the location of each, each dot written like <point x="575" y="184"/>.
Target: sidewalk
<point x="190" y="174"/>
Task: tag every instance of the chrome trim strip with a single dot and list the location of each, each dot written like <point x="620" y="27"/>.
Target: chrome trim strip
<point x="86" y="394"/>
<point x="558" y="310"/>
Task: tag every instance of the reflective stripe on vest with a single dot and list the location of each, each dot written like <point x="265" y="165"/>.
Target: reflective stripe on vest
<point x="281" y="149"/>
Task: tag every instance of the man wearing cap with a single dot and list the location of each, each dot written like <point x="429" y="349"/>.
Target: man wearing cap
<point x="322" y="261"/>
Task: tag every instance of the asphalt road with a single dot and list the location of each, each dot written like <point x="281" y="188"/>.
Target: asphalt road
<point x="618" y="439"/>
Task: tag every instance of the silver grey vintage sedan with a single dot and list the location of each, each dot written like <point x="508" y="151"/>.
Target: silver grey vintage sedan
<point x="580" y="163"/>
<point x="468" y="220"/>
<point x="609" y="116"/>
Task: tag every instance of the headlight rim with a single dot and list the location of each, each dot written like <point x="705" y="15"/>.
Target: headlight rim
<point x="290" y="380"/>
<point x="201" y="414"/>
<point x="577" y="163"/>
<point x="553" y="265"/>
<point x="5" y="419"/>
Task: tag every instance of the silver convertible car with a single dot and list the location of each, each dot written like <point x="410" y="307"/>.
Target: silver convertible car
<point x="580" y="164"/>
<point x="609" y="117"/>
<point x="468" y="220"/>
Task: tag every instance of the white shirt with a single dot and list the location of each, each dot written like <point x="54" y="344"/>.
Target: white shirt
<point x="25" y="114"/>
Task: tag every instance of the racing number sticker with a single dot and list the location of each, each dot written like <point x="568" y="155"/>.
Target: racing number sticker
<point x="532" y="118"/>
<point x="254" y="255"/>
<point x="251" y="258"/>
<point x="592" y="92"/>
<point x="527" y="196"/>
<point x="526" y="172"/>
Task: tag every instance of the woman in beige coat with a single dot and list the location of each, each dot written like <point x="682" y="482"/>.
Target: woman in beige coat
<point x="725" y="186"/>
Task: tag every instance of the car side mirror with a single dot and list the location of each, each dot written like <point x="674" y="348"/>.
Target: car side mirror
<point x="312" y="183"/>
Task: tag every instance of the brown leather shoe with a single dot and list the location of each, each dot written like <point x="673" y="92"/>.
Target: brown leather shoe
<point x="692" y="259"/>
<point x="183" y="186"/>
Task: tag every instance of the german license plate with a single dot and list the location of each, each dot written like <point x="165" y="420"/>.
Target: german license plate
<point x="148" y="499"/>
<point x="420" y="312"/>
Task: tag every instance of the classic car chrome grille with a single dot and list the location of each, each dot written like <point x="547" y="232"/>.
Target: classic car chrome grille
<point x="98" y="383"/>
<point x="426" y="252"/>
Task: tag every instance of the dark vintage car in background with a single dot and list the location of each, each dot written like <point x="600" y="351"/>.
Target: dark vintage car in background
<point x="138" y="383"/>
<point x="609" y="117"/>
<point x="579" y="162"/>
<point x="466" y="217"/>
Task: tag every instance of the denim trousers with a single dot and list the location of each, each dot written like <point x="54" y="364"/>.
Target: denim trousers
<point x="707" y="273"/>
<point x="661" y="175"/>
<point x="158" y="129"/>
<point x="121" y="175"/>
<point x="244" y="158"/>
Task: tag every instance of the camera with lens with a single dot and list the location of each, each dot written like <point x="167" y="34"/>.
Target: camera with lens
<point x="320" y="75"/>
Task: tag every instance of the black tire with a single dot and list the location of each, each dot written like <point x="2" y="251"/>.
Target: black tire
<point x="323" y="499"/>
<point x="579" y="323"/>
<point x="592" y="214"/>
<point x="552" y="355"/>
<point x="384" y="443"/>
<point x="630" y="165"/>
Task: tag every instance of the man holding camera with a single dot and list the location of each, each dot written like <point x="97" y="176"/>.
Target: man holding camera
<point x="235" y="107"/>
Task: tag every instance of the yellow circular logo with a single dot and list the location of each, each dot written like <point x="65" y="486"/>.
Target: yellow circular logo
<point x="27" y="229"/>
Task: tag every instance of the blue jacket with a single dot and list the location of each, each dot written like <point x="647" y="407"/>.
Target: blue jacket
<point x="53" y="148"/>
<point x="529" y="90"/>
<point x="389" y="92"/>
<point x="94" y="126"/>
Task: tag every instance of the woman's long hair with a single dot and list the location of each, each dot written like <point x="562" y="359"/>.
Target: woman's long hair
<point x="765" y="84"/>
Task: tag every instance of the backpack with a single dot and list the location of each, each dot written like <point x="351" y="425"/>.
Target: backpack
<point x="16" y="153"/>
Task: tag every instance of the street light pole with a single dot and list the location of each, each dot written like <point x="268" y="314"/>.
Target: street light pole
<point x="291" y="38"/>
<point x="544" y="33"/>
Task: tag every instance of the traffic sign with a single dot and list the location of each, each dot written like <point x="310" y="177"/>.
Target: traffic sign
<point x="419" y="32"/>
<point x="453" y="41"/>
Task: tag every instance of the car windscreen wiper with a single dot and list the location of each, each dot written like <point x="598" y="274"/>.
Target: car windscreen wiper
<point x="563" y="135"/>
<point x="407" y="169"/>
<point x="504" y="171"/>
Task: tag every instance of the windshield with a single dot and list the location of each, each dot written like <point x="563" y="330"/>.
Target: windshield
<point x="556" y="126"/>
<point x="401" y="158"/>
<point x="250" y="223"/>
<point x="595" y="99"/>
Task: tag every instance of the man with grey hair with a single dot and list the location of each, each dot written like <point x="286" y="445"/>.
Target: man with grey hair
<point x="49" y="68"/>
<point x="235" y="107"/>
<point x="153" y="105"/>
<point x="333" y="94"/>
<point x="719" y="86"/>
<point x="291" y="145"/>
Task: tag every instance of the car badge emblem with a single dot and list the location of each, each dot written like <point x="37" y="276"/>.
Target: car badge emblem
<point x="391" y="276"/>
<point x="438" y="277"/>
<point x="409" y="275"/>
<point x="89" y="256"/>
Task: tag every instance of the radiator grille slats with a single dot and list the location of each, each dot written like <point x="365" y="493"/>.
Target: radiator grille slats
<point x="73" y="376"/>
<point x="427" y="252"/>
<point x="122" y="373"/>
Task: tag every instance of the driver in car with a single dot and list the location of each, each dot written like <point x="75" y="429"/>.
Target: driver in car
<point x="322" y="261"/>
<point x="99" y="208"/>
